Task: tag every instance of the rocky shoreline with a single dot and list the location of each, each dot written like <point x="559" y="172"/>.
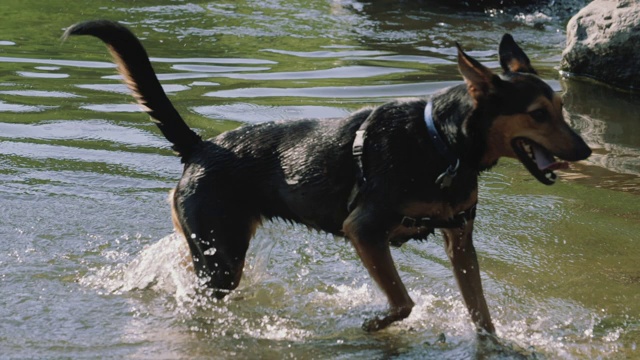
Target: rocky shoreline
<point x="602" y="41"/>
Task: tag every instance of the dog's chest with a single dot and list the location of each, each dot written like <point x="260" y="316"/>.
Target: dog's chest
<point x="441" y="209"/>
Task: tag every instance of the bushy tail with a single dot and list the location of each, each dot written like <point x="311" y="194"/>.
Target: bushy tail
<point x="134" y="65"/>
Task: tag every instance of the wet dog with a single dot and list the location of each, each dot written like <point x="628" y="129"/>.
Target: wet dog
<point x="379" y="177"/>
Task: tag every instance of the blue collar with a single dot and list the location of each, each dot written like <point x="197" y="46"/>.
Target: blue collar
<point x="445" y="179"/>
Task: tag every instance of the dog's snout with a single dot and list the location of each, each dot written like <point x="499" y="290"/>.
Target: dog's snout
<point x="579" y="151"/>
<point x="584" y="152"/>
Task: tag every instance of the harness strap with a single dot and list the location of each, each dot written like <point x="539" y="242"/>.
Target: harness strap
<point x="357" y="149"/>
<point x="457" y="221"/>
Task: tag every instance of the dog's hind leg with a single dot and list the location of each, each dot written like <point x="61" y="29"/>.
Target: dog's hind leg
<point x="218" y="234"/>
<point x="462" y="253"/>
<point x="369" y="240"/>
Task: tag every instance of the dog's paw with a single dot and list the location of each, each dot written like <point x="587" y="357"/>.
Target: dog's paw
<point x="386" y="318"/>
<point x="375" y="324"/>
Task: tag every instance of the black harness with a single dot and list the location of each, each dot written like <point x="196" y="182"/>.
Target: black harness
<point x="444" y="180"/>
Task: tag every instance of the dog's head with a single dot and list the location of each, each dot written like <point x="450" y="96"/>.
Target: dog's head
<point x="519" y="115"/>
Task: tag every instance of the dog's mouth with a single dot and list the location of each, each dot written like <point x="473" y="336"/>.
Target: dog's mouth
<point x="539" y="161"/>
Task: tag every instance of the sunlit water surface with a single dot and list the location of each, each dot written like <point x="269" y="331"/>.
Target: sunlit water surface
<point x="90" y="266"/>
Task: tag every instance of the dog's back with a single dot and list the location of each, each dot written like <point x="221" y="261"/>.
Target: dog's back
<point x="295" y="170"/>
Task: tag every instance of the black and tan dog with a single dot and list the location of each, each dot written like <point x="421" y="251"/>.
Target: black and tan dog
<point x="378" y="177"/>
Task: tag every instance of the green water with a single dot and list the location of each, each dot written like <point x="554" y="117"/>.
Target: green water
<point x="89" y="264"/>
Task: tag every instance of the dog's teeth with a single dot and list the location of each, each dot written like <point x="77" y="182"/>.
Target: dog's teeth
<point x="528" y="149"/>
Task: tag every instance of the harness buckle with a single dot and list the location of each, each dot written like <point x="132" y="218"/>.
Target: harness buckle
<point x="445" y="179"/>
<point x="463" y="221"/>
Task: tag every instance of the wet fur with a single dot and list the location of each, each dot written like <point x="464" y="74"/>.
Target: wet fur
<point x="304" y="171"/>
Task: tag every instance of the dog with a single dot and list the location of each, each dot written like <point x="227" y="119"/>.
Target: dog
<point x="378" y="177"/>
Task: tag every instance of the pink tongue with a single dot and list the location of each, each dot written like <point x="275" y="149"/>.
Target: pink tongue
<point x="545" y="161"/>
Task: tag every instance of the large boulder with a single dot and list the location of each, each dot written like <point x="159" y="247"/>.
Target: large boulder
<point x="602" y="43"/>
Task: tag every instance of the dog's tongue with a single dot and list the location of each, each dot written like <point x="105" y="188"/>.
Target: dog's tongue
<point x="546" y="161"/>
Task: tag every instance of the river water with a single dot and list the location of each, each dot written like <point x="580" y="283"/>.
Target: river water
<point x="90" y="266"/>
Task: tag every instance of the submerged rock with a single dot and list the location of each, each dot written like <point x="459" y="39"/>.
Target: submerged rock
<point x="602" y="41"/>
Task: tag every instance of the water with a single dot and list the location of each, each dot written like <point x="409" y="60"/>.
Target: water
<point x="90" y="266"/>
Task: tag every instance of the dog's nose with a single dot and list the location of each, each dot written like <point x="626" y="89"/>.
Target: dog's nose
<point x="579" y="149"/>
<point x="579" y="152"/>
<point x="586" y="152"/>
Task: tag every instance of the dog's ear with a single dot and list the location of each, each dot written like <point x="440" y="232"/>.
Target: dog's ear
<point x="512" y="58"/>
<point x="480" y="80"/>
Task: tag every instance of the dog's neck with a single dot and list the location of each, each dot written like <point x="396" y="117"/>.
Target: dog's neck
<point x="453" y="109"/>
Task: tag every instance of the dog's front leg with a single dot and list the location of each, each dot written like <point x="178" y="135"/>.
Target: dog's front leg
<point x="462" y="253"/>
<point x="373" y="249"/>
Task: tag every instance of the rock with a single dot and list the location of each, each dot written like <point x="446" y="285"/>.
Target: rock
<point x="602" y="43"/>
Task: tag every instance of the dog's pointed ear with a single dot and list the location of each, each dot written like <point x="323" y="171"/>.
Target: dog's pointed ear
<point x="512" y="58"/>
<point x="480" y="80"/>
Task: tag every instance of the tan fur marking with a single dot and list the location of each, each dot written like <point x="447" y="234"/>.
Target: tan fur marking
<point x="537" y="105"/>
<point x="501" y="132"/>
<point x="441" y="211"/>
<point x="554" y="134"/>
<point x="186" y="260"/>
<point x="127" y="78"/>
<point x="174" y="214"/>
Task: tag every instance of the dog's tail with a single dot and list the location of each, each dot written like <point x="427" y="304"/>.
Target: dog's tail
<point x="134" y="65"/>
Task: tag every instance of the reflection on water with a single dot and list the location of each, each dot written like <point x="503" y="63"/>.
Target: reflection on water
<point x="88" y="270"/>
<point x="608" y="120"/>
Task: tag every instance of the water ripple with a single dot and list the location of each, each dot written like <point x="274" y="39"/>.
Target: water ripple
<point x="251" y="113"/>
<point x="374" y="91"/>
<point x="85" y="129"/>
<point x="71" y="63"/>
<point x="345" y="72"/>
<point x="41" y="75"/>
<point x="40" y="93"/>
<point x="18" y="108"/>
<point x="216" y="69"/>
<point x="235" y="61"/>
<point x="329" y="54"/>
<point x="122" y="89"/>
<point x="113" y="108"/>
<point x="139" y="162"/>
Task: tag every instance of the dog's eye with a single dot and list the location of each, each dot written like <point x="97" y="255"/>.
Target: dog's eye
<point x="539" y="115"/>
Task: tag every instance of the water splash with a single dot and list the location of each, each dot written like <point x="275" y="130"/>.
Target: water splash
<point x="302" y="288"/>
<point x="164" y="267"/>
